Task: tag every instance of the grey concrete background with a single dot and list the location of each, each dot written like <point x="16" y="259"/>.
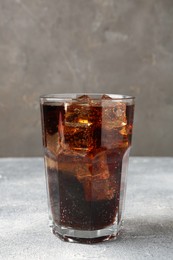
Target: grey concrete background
<point x="50" y="46"/>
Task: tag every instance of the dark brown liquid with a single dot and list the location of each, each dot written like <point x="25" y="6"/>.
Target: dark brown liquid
<point x="71" y="209"/>
<point x="84" y="148"/>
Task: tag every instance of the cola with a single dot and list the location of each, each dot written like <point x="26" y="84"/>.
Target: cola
<point x="86" y="146"/>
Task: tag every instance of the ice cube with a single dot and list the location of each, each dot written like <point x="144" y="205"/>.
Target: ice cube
<point x="114" y="124"/>
<point x="91" y="171"/>
<point x="113" y="114"/>
<point x="84" y="99"/>
<point x="100" y="169"/>
<point x="105" y="97"/>
<point x="74" y="164"/>
<point x="100" y="185"/>
<point x="115" y="138"/>
<point x="100" y="190"/>
<point x="81" y="120"/>
<point x="79" y="137"/>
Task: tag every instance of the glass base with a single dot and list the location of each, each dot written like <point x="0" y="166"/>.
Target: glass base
<point x="86" y="236"/>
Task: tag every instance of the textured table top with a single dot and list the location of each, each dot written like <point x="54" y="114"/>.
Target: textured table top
<point x="148" y="226"/>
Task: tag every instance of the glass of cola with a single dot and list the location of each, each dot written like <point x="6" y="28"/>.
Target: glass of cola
<point x="86" y="140"/>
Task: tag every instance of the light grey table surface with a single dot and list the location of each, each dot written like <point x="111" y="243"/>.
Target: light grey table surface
<point x="148" y="226"/>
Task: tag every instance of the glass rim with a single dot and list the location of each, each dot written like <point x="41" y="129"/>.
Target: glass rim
<point x="74" y="96"/>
